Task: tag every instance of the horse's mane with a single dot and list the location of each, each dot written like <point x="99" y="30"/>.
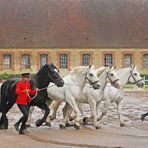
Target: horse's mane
<point x="43" y="68"/>
<point x="123" y="69"/>
<point x="104" y="71"/>
<point x="79" y="70"/>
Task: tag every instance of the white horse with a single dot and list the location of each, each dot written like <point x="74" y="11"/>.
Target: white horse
<point x="93" y="97"/>
<point x="126" y="75"/>
<point x="73" y="86"/>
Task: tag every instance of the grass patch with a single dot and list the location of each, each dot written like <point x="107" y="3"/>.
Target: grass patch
<point x="133" y="87"/>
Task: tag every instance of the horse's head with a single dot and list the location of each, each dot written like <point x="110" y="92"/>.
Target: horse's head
<point x="53" y="74"/>
<point x="134" y="77"/>
<point x="91" y="77"/>
<point x="112" y="77"/>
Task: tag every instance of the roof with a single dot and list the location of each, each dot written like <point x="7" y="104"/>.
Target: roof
<point x="73" y="23"/>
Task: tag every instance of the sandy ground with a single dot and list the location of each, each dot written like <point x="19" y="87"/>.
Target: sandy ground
<point x="134" y="135"/>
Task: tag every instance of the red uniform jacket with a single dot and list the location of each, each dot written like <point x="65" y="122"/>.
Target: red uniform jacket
<point x="22" y="97"/>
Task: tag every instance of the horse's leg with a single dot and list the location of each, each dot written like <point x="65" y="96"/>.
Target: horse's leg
<point x="143" y="116"/>
<point x="28" y="124"/>
<point x="73" y="115"/>
<point x="81" y="108"/>
<point x="119" y="113"/>
<point x="67" y="110"/>
<point x="54" y="107"/>
<point x="102" y="108"/>
<point x="73" y="104"/>
<point x="5" y="108"/>
<point x="87" y="120"/>
<point x="64" y="110"/>
<point x="93" y="108"/>
<point x="44" y="106"/>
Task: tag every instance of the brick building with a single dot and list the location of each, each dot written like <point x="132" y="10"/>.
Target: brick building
<point x="71" y="33"/>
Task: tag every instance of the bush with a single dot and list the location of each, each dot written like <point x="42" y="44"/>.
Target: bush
<point x="146" y="78"/>
<point x="6" y="76"/>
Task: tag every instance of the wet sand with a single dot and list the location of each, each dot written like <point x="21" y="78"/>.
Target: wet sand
<point x="134" y="135"/>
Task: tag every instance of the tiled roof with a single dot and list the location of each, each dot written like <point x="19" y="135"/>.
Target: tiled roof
<point x="73" y="23"/>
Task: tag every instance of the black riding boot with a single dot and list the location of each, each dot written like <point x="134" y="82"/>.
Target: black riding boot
<point x="16" y="126"/>
<point x="143" y="116"/>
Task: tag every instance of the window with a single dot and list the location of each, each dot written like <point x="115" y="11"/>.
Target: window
<point x="43" y="59"/>
<point x="127" y="60"/>
<point x="86" y="59"/>
<point x="145" y="62"/>
<point x="63" y="61"/>
<point x="25" y="61"/>
<point x="108" y="60"/>
<point x="7" y="61"/>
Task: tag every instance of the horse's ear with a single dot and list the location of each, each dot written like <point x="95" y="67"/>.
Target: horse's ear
<point x="132" y="66"/>
<point x="91" y="66"/>
<point x="110" y="66"/>
<point x="46" y="65"/>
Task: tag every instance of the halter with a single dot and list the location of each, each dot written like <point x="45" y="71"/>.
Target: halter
<point x="136" y="81"/>
<point x="55" y="81"/>
<point x="112" y="82"/>
<point x="91" y="83"/>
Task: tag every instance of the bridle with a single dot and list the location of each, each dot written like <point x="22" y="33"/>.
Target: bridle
<point x="136" y="81"/>
<point x="90" y="82"/>
<point x="55" y="81"/>
<point x="112" y="82"/>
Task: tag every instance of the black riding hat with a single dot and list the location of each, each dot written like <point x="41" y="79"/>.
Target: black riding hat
<point x="27" y="74"/>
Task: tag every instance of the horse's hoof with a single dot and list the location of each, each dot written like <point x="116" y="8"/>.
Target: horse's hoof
<point x="52" y="117"/>
<point x="71" y="118"/>
<point x="142" y="117"/>
<point x="122" y="125"/>
<point x="98" y="127"/>
<point x="76" y="127"/>
<point x="85" y="120"/>
<point x="48" y="124"/>
<point x="69" y="125"/>
<point x="62" y="126"/>
<point x="38" y="123"/>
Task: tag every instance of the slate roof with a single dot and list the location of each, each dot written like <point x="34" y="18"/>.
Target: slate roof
<point x="73" y="23"/>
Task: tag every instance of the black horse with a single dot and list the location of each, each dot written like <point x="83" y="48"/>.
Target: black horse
<point x="48" y="73"/>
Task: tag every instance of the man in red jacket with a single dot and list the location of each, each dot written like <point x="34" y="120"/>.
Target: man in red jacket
<point x="23" y="90"/>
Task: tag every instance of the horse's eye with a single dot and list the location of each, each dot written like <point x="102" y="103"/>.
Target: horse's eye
<point x="111" y="74"/>
<point x="135" y="74"/>
<point x="91" y="74"/>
